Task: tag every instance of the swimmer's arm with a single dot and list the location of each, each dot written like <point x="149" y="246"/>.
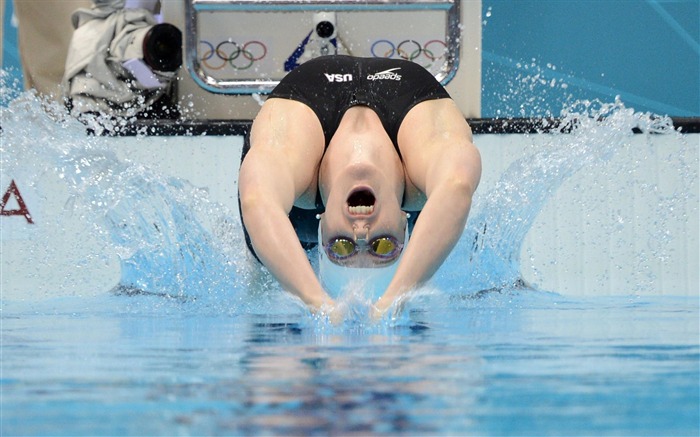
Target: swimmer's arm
<point x="272" y="177"/>
<point x="446" y="166"/>
<point x="277" y="245"/>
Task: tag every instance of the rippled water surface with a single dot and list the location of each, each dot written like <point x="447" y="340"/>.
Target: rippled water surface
<point x="509" y="362"/>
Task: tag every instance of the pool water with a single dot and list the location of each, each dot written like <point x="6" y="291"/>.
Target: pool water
<point x="518" y="362"/>
<point x="196" y="342"/>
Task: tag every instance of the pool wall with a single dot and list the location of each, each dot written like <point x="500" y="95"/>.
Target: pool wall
<point x="610" y="229"/>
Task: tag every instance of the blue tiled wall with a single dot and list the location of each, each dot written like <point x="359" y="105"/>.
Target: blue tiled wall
<point x="11" y="63"/>
<point x="647" y="52"/>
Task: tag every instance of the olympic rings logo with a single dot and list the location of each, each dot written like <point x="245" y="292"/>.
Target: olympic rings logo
<point x="229" y="52"/>
<point x="410" y="50"/>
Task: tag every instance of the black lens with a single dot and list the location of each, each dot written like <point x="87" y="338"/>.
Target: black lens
<point x="325" y="29"/>
<point x="162" y="47"/>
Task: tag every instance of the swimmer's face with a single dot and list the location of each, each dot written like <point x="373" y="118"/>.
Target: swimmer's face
<point x="366" y="229"/>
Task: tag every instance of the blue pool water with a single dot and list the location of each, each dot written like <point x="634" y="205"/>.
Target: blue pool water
<point x="518" y="362"/>
<point x="192" y="342"/>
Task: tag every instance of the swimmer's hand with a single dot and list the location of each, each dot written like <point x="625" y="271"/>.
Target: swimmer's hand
<point x="332" y="311"/>
<point x="350" y="311"/>
<point x="385" y="306"/>
<point x="376" y="313"/>
<point x="381" y="307"/>
<point x="337" y="315"/>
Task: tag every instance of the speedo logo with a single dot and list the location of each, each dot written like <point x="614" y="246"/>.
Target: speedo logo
<point x="385" y="75"/>
<point x="338" y="77"/>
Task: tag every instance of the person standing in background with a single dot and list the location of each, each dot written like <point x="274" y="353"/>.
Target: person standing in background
<point x="44" y="33"/>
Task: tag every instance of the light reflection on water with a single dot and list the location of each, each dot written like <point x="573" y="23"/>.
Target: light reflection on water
<point x="508" y="362"/>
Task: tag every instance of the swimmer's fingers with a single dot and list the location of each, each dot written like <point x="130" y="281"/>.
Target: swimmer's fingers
<point x="376" y="314"/>
<point x="381" y="310"/>
<point x="337" y="315"/>
<point x="334" y="312"/>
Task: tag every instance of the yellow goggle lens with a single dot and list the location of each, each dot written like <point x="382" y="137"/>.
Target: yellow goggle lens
<point x="343" y="248"/>
<point x="383" y="246"/>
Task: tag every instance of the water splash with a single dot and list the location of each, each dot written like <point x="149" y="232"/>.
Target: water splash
<point x="590" y="133"/>
<point x="173" y="241"/>
<point x="531" y="90"/>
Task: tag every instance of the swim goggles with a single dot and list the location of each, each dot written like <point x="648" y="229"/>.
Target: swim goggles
<point x="341" y="248"/>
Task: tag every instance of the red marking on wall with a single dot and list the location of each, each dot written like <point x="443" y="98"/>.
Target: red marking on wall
<point x="22" y="210"/>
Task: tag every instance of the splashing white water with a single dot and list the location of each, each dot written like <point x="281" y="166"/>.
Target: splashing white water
<point x="172" y="240"/>
<point x="589" y="134"/>
<point x="169" y="237"/>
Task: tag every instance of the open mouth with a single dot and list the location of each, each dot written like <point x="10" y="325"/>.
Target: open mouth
<point x="361" y="202"/>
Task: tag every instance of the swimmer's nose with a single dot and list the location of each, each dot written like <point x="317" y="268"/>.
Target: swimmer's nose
<point x="361" y="232"/>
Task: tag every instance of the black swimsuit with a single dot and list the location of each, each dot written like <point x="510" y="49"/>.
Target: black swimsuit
<point x="330" y="85"/>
